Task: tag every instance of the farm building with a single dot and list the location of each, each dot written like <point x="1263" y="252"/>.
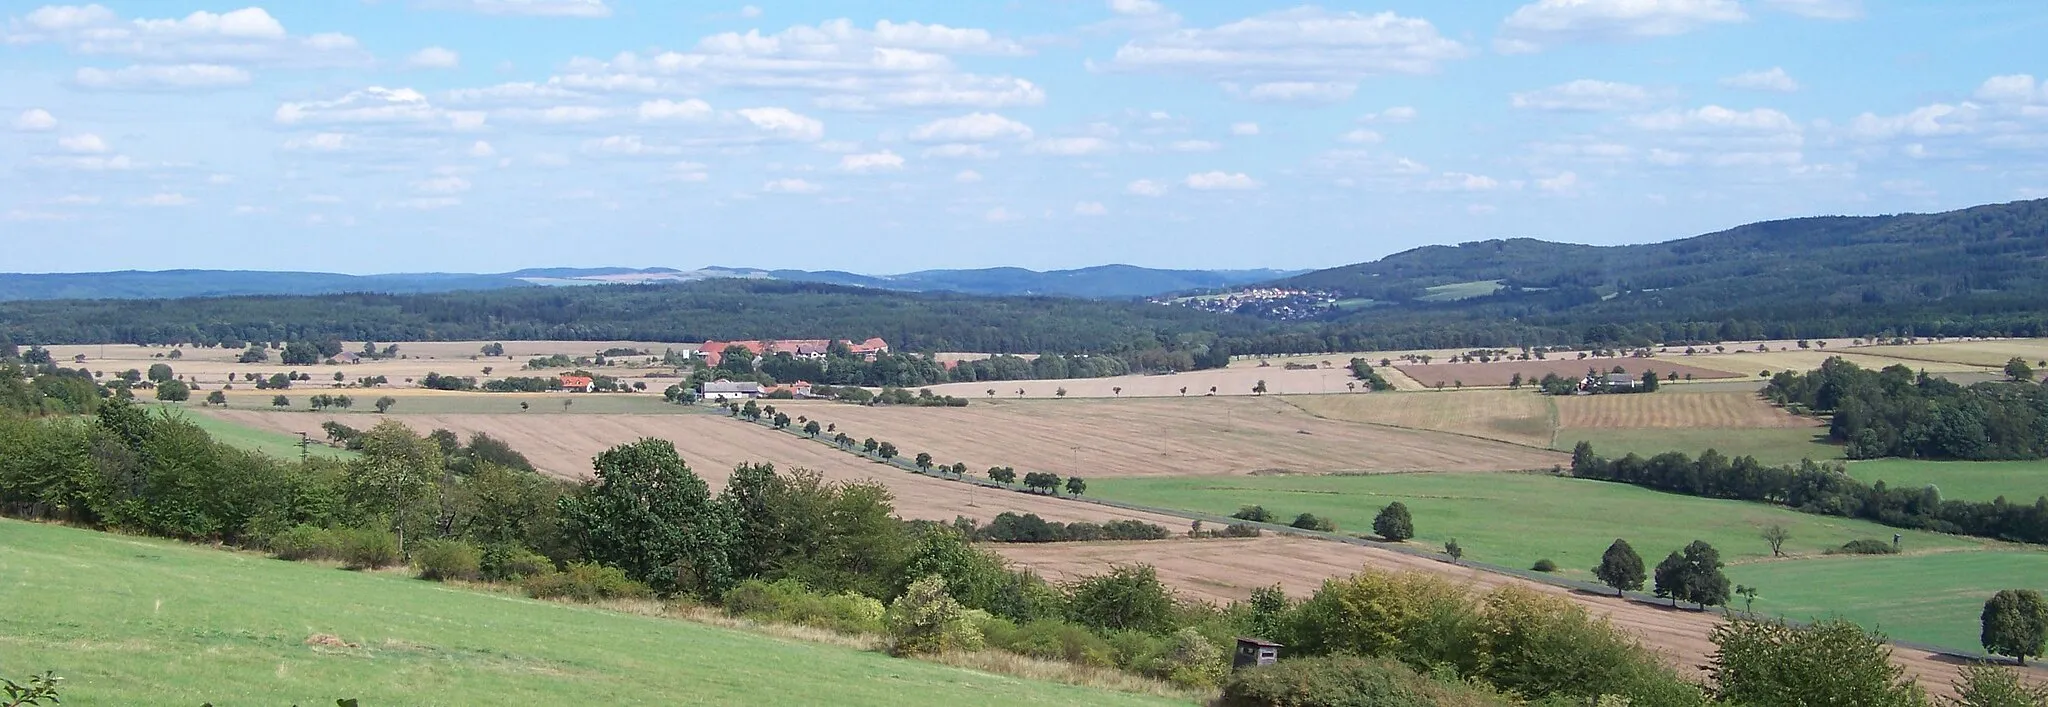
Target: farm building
<point x="721" y="390"/>
<point x="714" y="351"/>
<point x="578" y="384"/>
<point x="799" y="389"/>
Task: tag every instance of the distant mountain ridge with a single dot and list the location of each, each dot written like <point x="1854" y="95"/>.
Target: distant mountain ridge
<point x="1107" y="281"/>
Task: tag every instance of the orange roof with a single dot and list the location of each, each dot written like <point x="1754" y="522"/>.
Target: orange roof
<point x="575" y="381"/>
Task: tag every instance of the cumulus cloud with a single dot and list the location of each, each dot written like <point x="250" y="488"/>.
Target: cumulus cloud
<point x="84" y="144"/>
<point x="1071" y="146"/>
<point x="961" y="151"/>
<point x="161" y="77"/>
<point x="557" y="115"/>
<point x="246" y="36"/>
<point x="1302" y="54"/>
<point x="1396" y="114"/>
<point x="434" y="58"/>
<point x="1195" y="146"/>
<point x="1583" y="95"/>
<point x="973" y="127"/>
<point x="531" y="8"/>
<point x="884" y="161"/>
<point x="2010" y="89"/>
<point x="1146" y="187"/>
<point x="790" y="186"/>
<point x="1717" y="118"/>
<point x="628" y="146"/>
<point x="35" y="120"/>
<point x="1550" y="22"/>
<point x="967" y="176"/>
<point x="664" y="109"/>
<point x="320" y="142"/>
<point x="1819" y="9"/>
<point x="1561" y="183"/>
<point x="1136" y="8"/>
<point x="482" y="149"/>
<point x="1090" y="208"/>
<point x="1774" y="80"/>
<point x="784" y="123"/>
<point x="1244" y="129"/>
<point x="1461" y="181"/>
<point x="377" y="105"/>
<point x="1214" y="181"/>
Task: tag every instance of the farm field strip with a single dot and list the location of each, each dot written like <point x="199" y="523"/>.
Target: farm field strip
<point x="1204" y="436"/>
<point x="1517" y="417"/>
<point x="1772" y="446"/>
<point x="1658" y="410"/>
<point x="1501" y="373"/>
<point x="2018" y="481"/>
<point x="1980" y="354"/>
<point x="1750" y="363"/>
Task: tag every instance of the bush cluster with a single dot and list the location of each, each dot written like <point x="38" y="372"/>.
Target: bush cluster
<point x="787" y="601"/>
<point x="583" y="581"/>
<point x="1029" y="528"/>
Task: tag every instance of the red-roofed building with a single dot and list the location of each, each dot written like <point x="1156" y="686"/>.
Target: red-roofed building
<point x="578" y="384"/>
<point x="714" y="351"/>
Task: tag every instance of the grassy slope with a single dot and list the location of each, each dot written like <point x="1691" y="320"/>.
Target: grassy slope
<point x="2018" y="482"/>
<point x="138" y="621"/>
<point x="1770" y="446"/>
<point x="1934" y="598"/>
<point x="281" y="446"/>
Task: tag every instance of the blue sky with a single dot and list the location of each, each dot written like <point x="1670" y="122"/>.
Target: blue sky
<point x="486" y="135"/>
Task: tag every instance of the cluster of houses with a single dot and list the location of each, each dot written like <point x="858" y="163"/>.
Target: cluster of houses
<point x="721" y="390"/>
<point x="714" y="351"/>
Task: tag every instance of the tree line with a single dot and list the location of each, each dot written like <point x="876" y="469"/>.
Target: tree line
<point x="1896" y="413"/>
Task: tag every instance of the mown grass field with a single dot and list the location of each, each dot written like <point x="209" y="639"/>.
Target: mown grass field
<point x="2018" y="482"/>
<point x="1933" y="598"/>
<point x="281" y="446"/>
<point x="1516" y="519"/>
<point x="129" y="621"/>
<point x="1773" y="446"/>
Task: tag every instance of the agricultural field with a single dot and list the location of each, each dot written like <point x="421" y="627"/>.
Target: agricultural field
<point x="1500" y="373"/>
<point x="1226" y="382"/>
<point x="1676" y="410"/>
<point x="1934" y="598"/>
<point x="1460" y="291"/>
<point x="141" y="621"/>
<point x="211" y="368"/>
<point x="1517" y="417"/>
<point x="443" y="402"/>
<point x="2018" y="481"/>
<point x="277" y="444"/>
<point x="564" y="445"/>
<point x="1751" y="362"/>
<point x="1200" y="436"/>
<point x="1775" y="446"/>
<point x="1990" y="353"/>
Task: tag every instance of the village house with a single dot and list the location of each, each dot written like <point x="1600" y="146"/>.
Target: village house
<point x="722" y="390"/>
<point x="579" y="384"/>
<point x="714" y="351"/>
<point x="346" y="358"/>
<point x="799" y="389"/>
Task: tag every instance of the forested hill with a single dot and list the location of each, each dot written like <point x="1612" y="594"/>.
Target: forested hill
<point x="713" y="309"/>
<point x="1841" y="260"/>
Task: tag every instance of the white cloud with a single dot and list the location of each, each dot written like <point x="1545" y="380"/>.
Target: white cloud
<point x="1396" y="114"/>
<point x="688" y="172"/>
<point x="377" y="105"/>
<point x="482" y="149"/>
<point x="1717" y="118"/>
<point x="750" y="12"/>
<point x="1562" y="183"/>
<point x="784" y="123"/>
<point x="973" y="127"/>
<point x="1548" y="22"/>
<point x="1000" y="215"/>
<point x="434" y="58"/>
<point x="1136" y="8"/>
<point x="320" y="142"/>
<point x="1361" y="136"/>
<point x="1146" y="187"/>
<point x="1071" y="146"/>
<point x="446" y="184"/>
<point x="1461" y="181"/>
<point x="557" y="115"/>
<point x="246" y="36"/>
<point x="790" y="186"/>
<point x="1244" y="129"/>
<point x="1195" y="146"/>
<point x="83" y="143"/>
<point x="967" y="176"/>
<point x="961" y="151"/>
<point x="1584" y="95"/>
<point x="1774" y="80"/>
<point x="161" y="77"/>
<point x="1480" y="209"/>
<point x="665" y="109"/>
<point x="428" y="203"/>
<point x="89" y="163"/>
<point x="884" y="161"/>
<point x="1925" y="121"/>
<point x="628" y="146"/>
<point x="1210" y="181"/>
<point x="167" y="199"/>
<point x="323" y="199"/>
<point x="1305" y="53"/>
<point x="1819" y="9"/>
<point x="532" y="8"/>
<point x="517" y="92"/>
<point x="35" y="120"/>
<point x="1090" y="208"/>
<point x="2011" y="89"/>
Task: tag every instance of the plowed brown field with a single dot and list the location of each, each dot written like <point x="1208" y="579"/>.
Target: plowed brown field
<point x="1195" y="436"/>
<point x="1657" y="410"/>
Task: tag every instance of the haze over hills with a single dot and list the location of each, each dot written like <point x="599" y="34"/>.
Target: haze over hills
<point x="1106" y="281"/>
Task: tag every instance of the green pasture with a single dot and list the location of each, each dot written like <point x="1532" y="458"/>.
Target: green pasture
<point x="2018" y="482"/>
<point x="1934" y="598"/>
<point x="132" y="621"/>
<point x="1772" y="446"/>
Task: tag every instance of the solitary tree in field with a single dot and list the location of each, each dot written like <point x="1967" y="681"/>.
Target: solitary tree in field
<point x="1212" y="390"/>
<point x="1061" y="393"/>
<point x="1183" y="391"/>
<point x="1259" y="388"/>
<point x="280" y="402"/>
<point x="1456" y="551"/>
<point x="991" y="392"/>
<point x="1620" y="568"/>
<point x="1776" y="535"/>
<point x="1748" y="594"/>
<point x="2015" y="624"/>
<point x="1670" y="577"/>
<point x="1075" y="486"/>
<point x="1394" y="523"/>
<point x="384" y="404"/>
<point x="217" y="398"/>
<point x="2018" y="370"/>
<point x="1002" y="474"/>
<point x="1118" y="390"/>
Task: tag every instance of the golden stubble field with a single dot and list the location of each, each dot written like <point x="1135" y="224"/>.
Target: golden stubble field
<point x="1676" y="411"/>
<point x="212" y="367"/>
<point x="1150" y="437"/>
<point x="1515" y="416"/>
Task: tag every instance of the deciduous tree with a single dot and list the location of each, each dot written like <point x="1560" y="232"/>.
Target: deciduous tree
<point x="1393" y="523"/>
<point x="1620" y="568"/>
<point x="2015" y="624"/>
<point x="648" y="514"/>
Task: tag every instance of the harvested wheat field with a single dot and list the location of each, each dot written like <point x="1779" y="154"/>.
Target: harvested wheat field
<point x="1225" y="382"/>
<point x="1675" y="411"/>
<point x="1991" y="353"/>
<point x="1197" y="436"/>
<point x="1519" y="417"/>
<point x="1226" y="570"/>
<point x="563" y="445"/>
<point x="212" y="367"/>
<point x="1751" y="363"/>
<point x="1500" y="373"/>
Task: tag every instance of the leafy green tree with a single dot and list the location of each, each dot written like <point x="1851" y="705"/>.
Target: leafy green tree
<point x="280" y="402"/>
<point x="812" y="428"/>
<point x="300" y="353"/>
<point x="1393" y="523"/>
<point x="928" y="620"/>
<point x="1670" y="577"/>
<point x="1128" y="597"/>
<point x="1704" y="582"/>
<point x="1076" y="486"/>
<point x="394" y="479"/>
<point x="384" y="404"/>
<point x="217" y="398"/>
<point x="160" y="373"/>
<point x="1832" y="663"/>
<point x="2015" y="624"/>
<point x="869" y="445"/>
<point x="1454" y="550"/>
<point x="648" y="514"/>
<point x="174" y="391"/>
<point x="1650" y="381"/>
<point x="1620" y="568"/>
<point x="924" y="460"/>
<point x="2018" y="371"/>
<point x="886" y="451"/>
<point x="1002" y="474"/>
<point x="781" y="420"/>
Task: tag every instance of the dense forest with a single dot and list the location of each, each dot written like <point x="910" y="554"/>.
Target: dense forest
<point x="1896" y="413"/>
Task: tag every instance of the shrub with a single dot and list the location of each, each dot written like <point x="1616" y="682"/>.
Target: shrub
<point x="584" y="581"/>
<point x="1308" y="521"/>
<point x="1191" y="660"/>
<point x="1864" y="546"/>
<point x="505" y="562"/>
<point x="1544" y="565"/>
<point x="787" y="601"/>
<point x="1239" y="530"/>
<point x="1052" y="639"/>
<point x="1343" y="681"/>
<point x="927" y="620"/>
<point x="443" y="560"/>
<point x="1255" y="514"/>
<point x="367" y="548"/>
<point x="304" y="542"/>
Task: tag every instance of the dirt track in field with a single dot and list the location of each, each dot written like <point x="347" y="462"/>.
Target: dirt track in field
<point x="1656" y="410"/>
<point x="563" y="445"/>
<point x="1195" y="436"/>
<point x="1226" y="570"/>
